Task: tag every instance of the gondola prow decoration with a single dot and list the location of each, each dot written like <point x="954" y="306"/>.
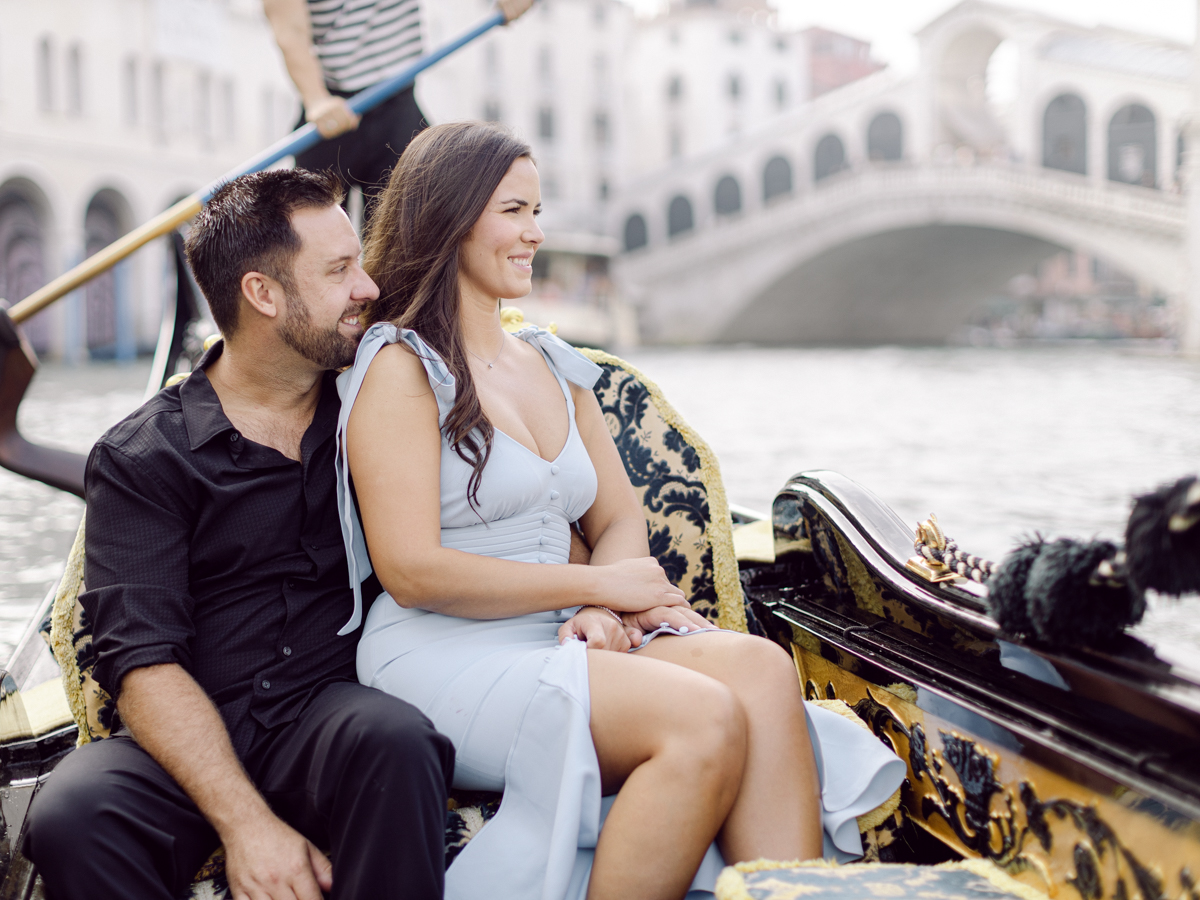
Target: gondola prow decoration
<point x="60" y="468"/>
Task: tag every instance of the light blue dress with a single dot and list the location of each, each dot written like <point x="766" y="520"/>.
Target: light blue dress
<point x="515" y="703"/>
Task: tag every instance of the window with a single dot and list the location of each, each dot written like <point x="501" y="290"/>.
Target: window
<point x="600" y="129"/>
<point x="885" y="138"/>
<point x="733" y="84"/>
<point x="491" y="59"/>
<point x="735" y="37"/>
<point x="635" y="233"/>
<point x="829" y="157"/>
<point x="1133" y="146"/>
<point x="727" y="198"/>
<point x="674" y="89"/>
<point x="491" y="111"/>
<point x="45" y="75"/>
<point x="777" y="178"/>
<point x="1064" y="134"/>
<point x="158" y="102"/>
<point x="228" y="110"/>
<point x="129" y="92"/>
<point x="675" y="142"/>
<point x="203" y="108"/>
<point x="599" y="14"/>
<point x="679" y="216"/>
<point x="781" y="94"/>
<point x="546" y="63"/>
<point x="546" y="123"/>
<point x="75" y="80"/>
<point x="602" y="190"/>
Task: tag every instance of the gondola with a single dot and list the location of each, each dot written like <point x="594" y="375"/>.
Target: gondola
<point x="1036" y="770"/>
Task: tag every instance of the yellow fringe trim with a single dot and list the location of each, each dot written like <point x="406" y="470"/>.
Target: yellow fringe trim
<point x="731" y="611"/>
<point x="903" y="691"/>
<point x="731" y="885"/>
<point x="62" y="629"/>
<point x="883" y="812"/>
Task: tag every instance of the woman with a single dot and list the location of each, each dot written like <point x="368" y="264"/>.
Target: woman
<point x="472" y="452"/>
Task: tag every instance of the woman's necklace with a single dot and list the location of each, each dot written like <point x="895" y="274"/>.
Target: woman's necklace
<point x="503" y="341"/>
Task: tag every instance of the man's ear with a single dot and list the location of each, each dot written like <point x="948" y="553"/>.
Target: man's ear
<point x="263" y="293"/>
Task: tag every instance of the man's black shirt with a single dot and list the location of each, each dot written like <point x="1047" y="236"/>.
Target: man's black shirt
<point x="209" y="550"/>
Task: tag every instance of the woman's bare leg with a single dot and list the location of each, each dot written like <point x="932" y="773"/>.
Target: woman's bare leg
<point x="777" y="813"/>
<point x="674" y="742"/>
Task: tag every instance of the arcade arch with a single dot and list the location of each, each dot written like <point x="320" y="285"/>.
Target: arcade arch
<point x="885" y="138"/>
<point x="1133" y="146"/>
<point x="829" y="158"/>
<point x="24" y="226"/>
<point x="727" y="196"/>
<point x="1064" y="134"/>
<point x="679" y="216"/>
<point x="106" y="302"/>
<point x="636" y="234"/>
<point x="777" y="178"/>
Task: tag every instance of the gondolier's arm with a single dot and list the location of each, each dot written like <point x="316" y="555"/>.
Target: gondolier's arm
<point x="176" y="723"/>
<point x="292" y="25"/>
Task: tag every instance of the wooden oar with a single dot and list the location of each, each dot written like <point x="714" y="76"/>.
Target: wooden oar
<point x="297" y="142"/>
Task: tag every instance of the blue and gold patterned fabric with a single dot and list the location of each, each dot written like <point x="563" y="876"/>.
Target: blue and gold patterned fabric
<point x="974" y="880"/>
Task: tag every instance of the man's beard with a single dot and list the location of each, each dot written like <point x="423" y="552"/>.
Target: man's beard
<point x="328" y="348"/>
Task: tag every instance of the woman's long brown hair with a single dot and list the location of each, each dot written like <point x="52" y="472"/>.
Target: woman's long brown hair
<point x="436" y="194"/>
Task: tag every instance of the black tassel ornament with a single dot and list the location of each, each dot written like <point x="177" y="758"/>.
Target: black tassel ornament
<point x="1079" y="594"/>
<point x="1006" y="588"/>
<point x="1162" y="539"/>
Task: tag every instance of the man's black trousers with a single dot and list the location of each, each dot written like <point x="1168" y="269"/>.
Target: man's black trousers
<point x="359" y="773"/>
<point x="366" y="155"/>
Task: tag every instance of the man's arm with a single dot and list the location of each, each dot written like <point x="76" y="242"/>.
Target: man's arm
<point x="139" y="535"/>
<point x="175" y="722"/>
<point x="293" y="33"/>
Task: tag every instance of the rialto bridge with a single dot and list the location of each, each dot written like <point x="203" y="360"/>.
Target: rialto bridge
<point x="889" y="208"/>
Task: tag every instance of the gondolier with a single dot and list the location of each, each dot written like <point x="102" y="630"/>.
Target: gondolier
<point x="334" y="48"/>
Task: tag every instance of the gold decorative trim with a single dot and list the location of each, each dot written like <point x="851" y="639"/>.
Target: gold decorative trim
<point x="732" y="886"/>
<point x="62" y="628"/>
<point x="731" y="612"/>
<point x="883" y="811"/>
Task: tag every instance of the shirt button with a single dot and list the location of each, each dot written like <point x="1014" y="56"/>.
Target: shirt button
<point x="313" y="547"/>
<point x="287" y="651"/>
<point x="554" y="495"/>
<point x="266" y="685"/>
<point x="554" y="470"/>
<point x="291" y="584"/>
<point x="234" y="438"/>
<point x="546" y="519"/>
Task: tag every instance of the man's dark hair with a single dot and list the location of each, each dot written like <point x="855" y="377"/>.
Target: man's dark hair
<point x="247" y="227"/>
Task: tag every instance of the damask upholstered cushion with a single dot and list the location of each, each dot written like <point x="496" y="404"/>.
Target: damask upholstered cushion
<point x="678" y="480"/>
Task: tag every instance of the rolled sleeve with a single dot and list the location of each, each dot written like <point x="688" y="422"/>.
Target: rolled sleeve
<point x="137" y="577"/>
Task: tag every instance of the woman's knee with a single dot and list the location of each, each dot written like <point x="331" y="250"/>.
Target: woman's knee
<point x="714" y="738"/>
<point x="762" y="667"/>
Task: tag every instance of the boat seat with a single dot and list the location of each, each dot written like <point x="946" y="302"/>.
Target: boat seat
<point x="678" y="480"/>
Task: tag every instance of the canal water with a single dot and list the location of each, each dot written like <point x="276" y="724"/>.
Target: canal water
<point x="998" y="442"/>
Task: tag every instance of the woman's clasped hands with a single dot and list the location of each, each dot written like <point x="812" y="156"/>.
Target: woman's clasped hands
<point x="634" y="599"/>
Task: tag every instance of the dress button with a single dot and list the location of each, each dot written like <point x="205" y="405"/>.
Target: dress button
<point x="541" y="557"/>
<point x="287" y="651"/>
<point x="266" y="685"/>
<point x="554" y="470"/>
<point x="554" y="495"/>
<point x="234" y="438"/>
<point x="546" y="519"/>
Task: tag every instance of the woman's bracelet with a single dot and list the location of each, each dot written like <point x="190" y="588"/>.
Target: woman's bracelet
<point x="606" y="609"/>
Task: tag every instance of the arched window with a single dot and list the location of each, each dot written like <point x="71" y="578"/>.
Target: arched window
<point x="1133" y="146"/>
<point x="829" y="158"/>
<point x="102" y="226"/>
<point x="777" y="178"/>
<point x="636" y="235"/>
<point x="885" y="137"/>
<point x="679" y="216"/>
<point x="22" y="258"/>
<point x="727" y="198"/>
<point x="1064" y="134"/>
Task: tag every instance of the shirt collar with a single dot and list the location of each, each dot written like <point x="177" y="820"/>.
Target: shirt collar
<point x="205" y="419"/>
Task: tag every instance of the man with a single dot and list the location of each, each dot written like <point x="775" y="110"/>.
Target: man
<point x="335" y="48"/>
<point x="216" y="586"/>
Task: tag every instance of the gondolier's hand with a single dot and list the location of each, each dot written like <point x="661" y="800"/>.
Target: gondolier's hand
<point x="514" y="9"/>
<point x="598" y="627"/>
<point x="629" y="585"/>
<point x="332" y="115"/>
<point x="638" y="624"/>
<point x="269" y="860"/>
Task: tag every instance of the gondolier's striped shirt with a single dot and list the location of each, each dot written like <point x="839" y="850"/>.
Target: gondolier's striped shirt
<point x="360" y="42"/>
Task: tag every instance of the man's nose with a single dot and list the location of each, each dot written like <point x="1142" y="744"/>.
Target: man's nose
<point x="364" y="288"/>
